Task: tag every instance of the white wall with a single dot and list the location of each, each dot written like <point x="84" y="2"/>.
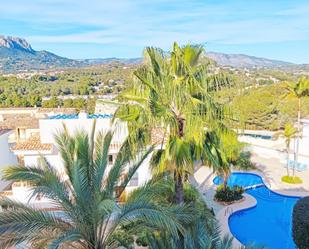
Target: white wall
<point x="304" y="141"/>
<point x="49" y="127"/>
<point x="7" y="158"/>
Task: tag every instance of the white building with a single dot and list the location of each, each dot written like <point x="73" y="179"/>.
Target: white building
<point x="43" y="144"/>
<point x="262" y="143"/>
<point x="7" y="157"/>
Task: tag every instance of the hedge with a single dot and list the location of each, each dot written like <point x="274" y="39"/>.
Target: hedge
<point x="300" y="228"/>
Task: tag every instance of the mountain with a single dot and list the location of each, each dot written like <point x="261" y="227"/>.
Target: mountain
<point x="242" y="61"/>
<point x="17" y="55"/>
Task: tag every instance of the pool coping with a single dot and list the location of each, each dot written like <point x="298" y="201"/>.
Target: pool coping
<point x="225" y="213"/>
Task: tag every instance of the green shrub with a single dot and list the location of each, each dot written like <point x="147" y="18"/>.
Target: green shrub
<point x="300" y="227"/>
<point x="142" y="239"/>
<point x="229" y="194"/>
<point x="191" y="194"/>
<point x="291" y="179"/>
<point x="244" y="162"/>
<point x="124" y="239"/>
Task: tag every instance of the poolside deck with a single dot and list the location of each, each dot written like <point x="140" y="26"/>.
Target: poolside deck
<point x="272" y="169"/>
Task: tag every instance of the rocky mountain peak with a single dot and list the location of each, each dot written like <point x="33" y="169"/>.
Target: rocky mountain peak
<point x="15" y="43"/>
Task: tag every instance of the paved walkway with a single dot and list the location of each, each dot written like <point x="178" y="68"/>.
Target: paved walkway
<point x="272" y="170"/>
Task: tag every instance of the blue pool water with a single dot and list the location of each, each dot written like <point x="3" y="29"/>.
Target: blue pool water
<point x="75" y="116"/>
<point x="269" y="223"/>
<point x="240" y="179"/>
<point x="266" y="137"/>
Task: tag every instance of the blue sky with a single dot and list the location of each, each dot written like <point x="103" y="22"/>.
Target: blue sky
<point x="277" y="29"/>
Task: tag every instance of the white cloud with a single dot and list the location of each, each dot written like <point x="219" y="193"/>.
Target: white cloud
<point x="158" y="22"/>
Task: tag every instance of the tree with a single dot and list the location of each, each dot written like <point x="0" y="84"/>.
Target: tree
<point x="172" y="92"/>
<point x="51" y="103"/>
<point x="297" y="91"/>
<point x="198" y="236"/>
<point x="67" y="103"/>
<point x="85" y="196"/>
<point x="289" y="133"/>
<point x="230" y="150"/>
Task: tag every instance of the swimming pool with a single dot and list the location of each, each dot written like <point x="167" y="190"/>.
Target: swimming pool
<point x="269" y="223"/>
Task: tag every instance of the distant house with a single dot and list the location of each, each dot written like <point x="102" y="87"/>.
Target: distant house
<point x="25" y="121"/>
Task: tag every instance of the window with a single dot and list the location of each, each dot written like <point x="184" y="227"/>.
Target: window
<point x="110" y="159"/>
<point x="21" y="160"/>
<point x="134" y="180"/>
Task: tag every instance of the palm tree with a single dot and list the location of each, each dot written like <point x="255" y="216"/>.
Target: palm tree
<point x="197" y="237"/>
<point x="297" y="91"/>
<point x="225" y="150"/>
<point x="87" y="214"/>
<point x="289" y="133"/>
<point x="172" y="92"/>
<point x="230" y="149"/>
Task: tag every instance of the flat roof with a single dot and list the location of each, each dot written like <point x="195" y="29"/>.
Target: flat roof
<point x="4" y="131"/>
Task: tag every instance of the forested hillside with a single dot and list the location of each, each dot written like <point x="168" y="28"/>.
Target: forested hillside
<point x="94" y="81"/>
<point x="254" y="95"/>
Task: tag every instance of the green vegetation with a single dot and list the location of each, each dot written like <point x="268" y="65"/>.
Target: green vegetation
<point x="288" y="133"/>
<point x="106" y="79"/>
<point x="175" y="93"/>
<point x="297" y="91"/>
<point x="87" y="105"/>
<point x="202" y="215"/>
<point x="243" y="162"/>
<point x="228" y="194"/>
<point x="229" y="152"/>
<point x="89" y="214"/>
<point x="254" y="96"/>
<point x="261" y="107"/>
<point x="300" y="227"/>
<point x="292" y="179"/>
<point x="86" y="202"/>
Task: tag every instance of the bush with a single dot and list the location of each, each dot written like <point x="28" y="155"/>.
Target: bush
<point x="300" y="227"/>
<point x="124" y="239"/>
<point x="142" y="239"/>
<point x="291" y="179"/>
<point x="244" y="161"/>
<point x="229" y="194"/>
<point x="191" y="194"/>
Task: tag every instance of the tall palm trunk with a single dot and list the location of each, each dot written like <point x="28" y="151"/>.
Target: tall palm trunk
<point x="225" y="179"/>
<point x="297" y="137"/>
<point x="179" y="189"/>
<point x="178" y="176"/>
